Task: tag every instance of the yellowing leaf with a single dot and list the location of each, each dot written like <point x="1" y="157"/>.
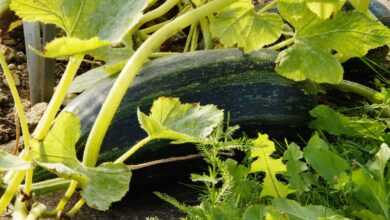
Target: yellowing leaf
<point x="106" y="20"/>
<point x="240" y="25"/>
<point x="360" y="5"/>
<point x="66" y="46"/>
<point x="170" y="119"/>
<point x="324" y="8"/>
<point x="59" y="146"/>
<point x="351" y="34"/>
<point x="262" y="149"/>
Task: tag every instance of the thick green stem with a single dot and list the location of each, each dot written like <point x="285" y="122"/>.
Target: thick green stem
<point x="75" y="209"/>
<point x="205" y="27"/>
<point x="18" y="102"/>
<point x="68" y="195"/>
<point x="189" y="39"/>
<point x="13" y="187"/>
<point x="156" y="13"/>
<point x="362" y="90"/>
<point x="195" y="38"/>
<point x="48" y="186"/>
<point x="132" y="150"/>
<point x="58" y="97"/>
<point x="282" y="44"/>
<point x="132" y="68"/>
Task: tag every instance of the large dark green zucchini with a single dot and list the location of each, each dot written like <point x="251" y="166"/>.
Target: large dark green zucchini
<point x="246" y="86"/>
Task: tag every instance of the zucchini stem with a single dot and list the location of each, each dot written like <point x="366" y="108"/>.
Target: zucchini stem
<point x="132" y="68"/>
<point x="362" y="90"/>
<point x="58" y="97"/>
<point x="282" y="44"/>
<point x="133" y="149"/>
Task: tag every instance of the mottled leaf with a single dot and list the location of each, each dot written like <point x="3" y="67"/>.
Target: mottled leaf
<point x="170" y="119"/>
<point x="262" y="149"/>
<point x="101" y="186"/>
<point x="351" y="34"/>
<point x="12" y="162"/>
<point x="328" y="164"/>
<point x="109" y="20"/>
<point x="240" y="25"/>
<point x="59" y="146"/>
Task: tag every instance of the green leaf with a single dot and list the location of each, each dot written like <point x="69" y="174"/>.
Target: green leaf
<point x="297" y="13"/>
<point x="12" y="162"/>
<point x="305" y="60"/>
<point x="370" y="192"/>
<point x="59" y="146"/>
<point x="254" y="212"/>
<point x="66" y="46"/>
<point x="297" y="212"/>
<point x="262" y="149"/>
<point x="324" y="8"/>
<point x="109" y="20"/>
<point x="343" y="125"/>
<point x="365" y="214"/>
<point x="170" y="119"/>
<point x="328" y="164"/>
<point x="351" y="34"/>
<point x="101" y="186"/>
<point x="360" y="5"/>
<point x="240" y="25"/>
<point x="296" y="168"/>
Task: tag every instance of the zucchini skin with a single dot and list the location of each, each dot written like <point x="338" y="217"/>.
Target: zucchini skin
<point x="245" y="85"/>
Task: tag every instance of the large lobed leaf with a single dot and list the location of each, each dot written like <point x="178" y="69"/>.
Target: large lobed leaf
<point x="109" y="20"/>
<point x="240" y="25"/>
<point x="350" y="34"/>
<point x="102" y="185"/>
<point x="262" y="149"/>
<point x="170" y="119"/>
<point x="12" y="162"/>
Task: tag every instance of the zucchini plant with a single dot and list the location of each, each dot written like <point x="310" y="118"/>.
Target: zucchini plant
<point x="312" y="38"/>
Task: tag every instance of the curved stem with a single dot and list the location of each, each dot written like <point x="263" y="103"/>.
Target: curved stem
<point x="68" y="195"/>
<point x="58" y="97"/>
<point x="132" y="150"/>
<point x="362" y="90"/>
<point x="282" y="44"/>
<point x="132" y="68"/>
<point x="18" y="102"/>
<point x="156" y="13"/>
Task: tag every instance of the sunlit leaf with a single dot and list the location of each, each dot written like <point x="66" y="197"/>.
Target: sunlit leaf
<point x="297" y="212"/>
<point x="59" y="146"/>
<point x="65" y="46"/>
<point x="296" y="168"/>
<point x="12" y="162"/>
<point x="108" y="20"/>
<point x="324" y="8"/>
<point x="262" y="149"/>
<point x="297" y="13"/>
<point x="351" y="34"/>
<point x="240" y="25"/>
<point x="101" y="186"/>
<point x="328" y="164"/>
<point x="344" y="125"/>
<point x="170" y="119"/>
<point x="360" y="5"/>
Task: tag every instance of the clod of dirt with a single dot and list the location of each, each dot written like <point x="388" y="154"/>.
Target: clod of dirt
<point x="35" y="113"/>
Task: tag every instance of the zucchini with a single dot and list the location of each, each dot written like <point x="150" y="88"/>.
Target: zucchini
<point x="245" y="85"/>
